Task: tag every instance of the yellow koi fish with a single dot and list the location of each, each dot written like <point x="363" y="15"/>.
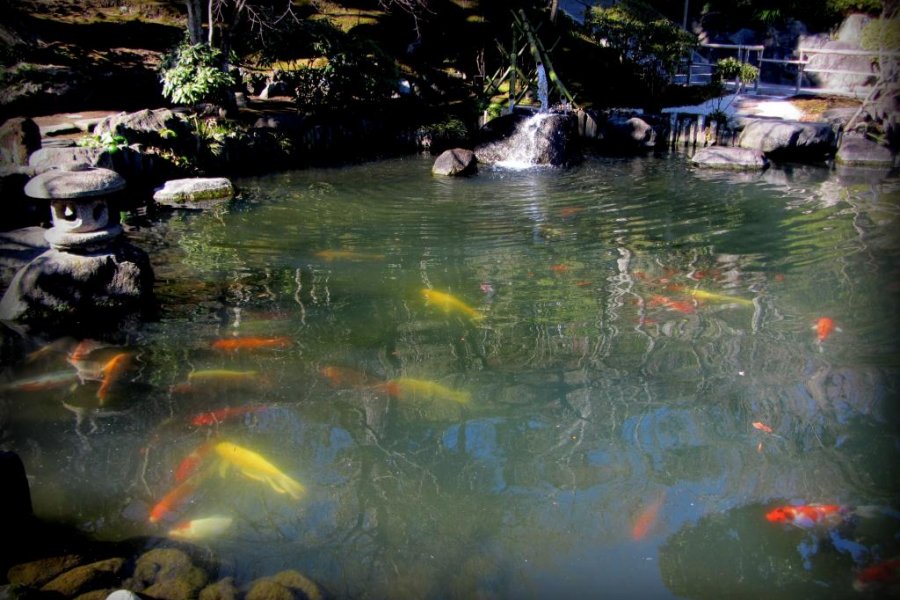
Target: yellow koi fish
<point x="221" y="375"/>
<point x="347" y="255"/>
<point x="450" y="303"/>
<point x="713" y="297"/>
<point x="256" y="467"/>
<point x="198" y="529"/>
<point x="406" y="387"/>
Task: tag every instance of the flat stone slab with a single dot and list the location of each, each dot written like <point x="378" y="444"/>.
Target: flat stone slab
<point x="195" y="193"/>
<point x="730" y="158"/>
<point x="858" y="151"/>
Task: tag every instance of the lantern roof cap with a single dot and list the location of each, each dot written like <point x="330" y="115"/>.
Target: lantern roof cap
<point x="78" y="180"/>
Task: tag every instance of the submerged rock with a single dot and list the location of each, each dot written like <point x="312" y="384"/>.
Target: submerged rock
<point x="729" y="157"/>
<point x="286" y="585"/>
<point x="82" y="579"/>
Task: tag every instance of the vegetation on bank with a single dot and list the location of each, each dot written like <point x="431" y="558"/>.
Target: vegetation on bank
<point x="432" y="58"/>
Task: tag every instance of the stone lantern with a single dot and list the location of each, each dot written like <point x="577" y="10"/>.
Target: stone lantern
<point x="79" y="205"/>
<point x="90" y="273"/>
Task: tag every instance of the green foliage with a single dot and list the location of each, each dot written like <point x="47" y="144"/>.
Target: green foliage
<point x="881" y="34"/>
<point x="109" y="142"/>
<point x="643" y="39"/>
<point x="354" y="73"/>
<point x="818" y="14"/>
<point x="214" y="135"/>
<point x="194" y="74"/>
<point x="443" y="134"/>
<point x="730" y="68"/>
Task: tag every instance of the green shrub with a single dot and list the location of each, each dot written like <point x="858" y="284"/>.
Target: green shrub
<point x="109" y="142"/>
<point x="193" y="74"/>
<point x="644" y="40"/>
<point x="728" y="69"/>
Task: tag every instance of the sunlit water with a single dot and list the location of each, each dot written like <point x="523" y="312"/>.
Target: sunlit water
<point x="609" y="445"/>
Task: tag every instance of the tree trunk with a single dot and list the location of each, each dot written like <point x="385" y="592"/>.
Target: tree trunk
<point x="194" y="21"/>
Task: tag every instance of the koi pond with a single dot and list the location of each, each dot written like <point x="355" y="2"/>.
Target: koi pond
<point x="629" y="378"/>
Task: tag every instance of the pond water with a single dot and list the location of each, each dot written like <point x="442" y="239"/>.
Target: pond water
<point x="624" y="380"/>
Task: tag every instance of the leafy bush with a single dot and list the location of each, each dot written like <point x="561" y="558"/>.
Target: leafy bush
<point x="643" y="39"/>
<point x="193" y="74"/>
<point x="352" y="74"/>
<point x="730" y="68"/>
<point x="109" y="142"/>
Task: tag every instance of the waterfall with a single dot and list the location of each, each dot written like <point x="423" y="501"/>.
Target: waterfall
<point x="543" y="92"/>
<point x="524" y="145"/>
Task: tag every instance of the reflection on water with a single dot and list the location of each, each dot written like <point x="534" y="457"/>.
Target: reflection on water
<point x="522" y="384"/>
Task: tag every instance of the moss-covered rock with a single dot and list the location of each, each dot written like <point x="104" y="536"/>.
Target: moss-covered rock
<point x="266" y="589"/>
<point x="100" y="574"/>
<point x="39" y="572"/>
<point x="297" y="582"/>
<point x="162" y="565"/>
<point x="224" y="589"/>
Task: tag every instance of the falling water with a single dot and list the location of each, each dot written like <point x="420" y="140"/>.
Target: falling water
<point x="543" y="93"/>
<point x="522" y="146"/>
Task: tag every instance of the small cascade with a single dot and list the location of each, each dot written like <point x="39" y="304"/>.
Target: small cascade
<point x="543" y="89"/>
<point x="524" y="146"/>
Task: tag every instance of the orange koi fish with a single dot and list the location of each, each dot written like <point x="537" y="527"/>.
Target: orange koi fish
<point x="251" y="343"/>
<point x="824" y="327"/>
<point x="679" y="305"/>
<point x="175" y="497"/>
<point x="223" y="414"/>
<point x="647" y="518"/>
<point x="345" y="377"/>
<point x="190" y="464"/>
<point x="807" y="516"/>
<point x="559" y="268"/>
<point x="111" y="372"/>
<point x="762" y="426"/>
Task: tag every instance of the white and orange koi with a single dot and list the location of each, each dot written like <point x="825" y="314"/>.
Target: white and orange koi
<point x="450" y="303"/>
<point x="256" y="467"/>
<point x="198" y="529"/>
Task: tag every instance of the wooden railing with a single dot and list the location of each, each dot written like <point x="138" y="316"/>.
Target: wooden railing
<point x="803" y="58"/>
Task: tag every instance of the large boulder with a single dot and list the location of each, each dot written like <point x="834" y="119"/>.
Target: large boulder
<point x="542" y="139"/>
<point x="844" y="73"/>
<point x="624" y="134"/>
<point x="19" y="137"/>
<point x="46" y="159"/>
<point x="160" y="128"/>
<point x="730" y="158"/>
<point x="859" y="151"/>
<point x="457" y="161"/>
<point x="789" y="140"/>
<point x="62" y="289"/>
